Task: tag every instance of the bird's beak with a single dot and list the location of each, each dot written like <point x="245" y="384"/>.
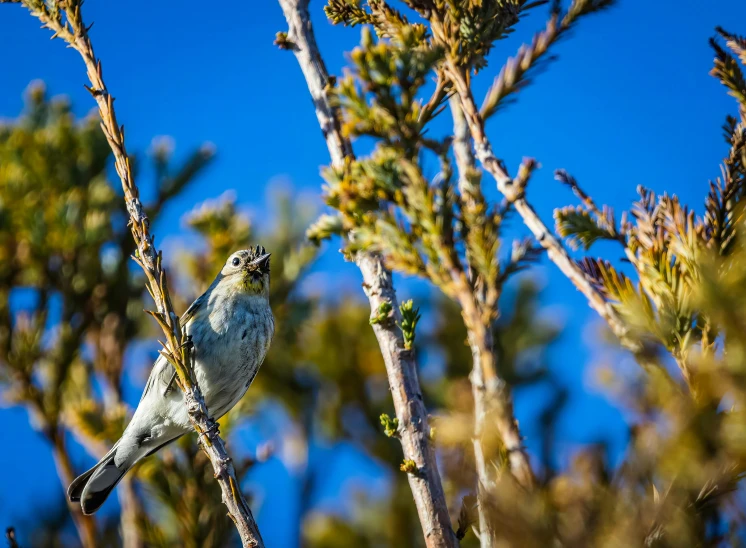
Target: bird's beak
<point x="262" y="262"/>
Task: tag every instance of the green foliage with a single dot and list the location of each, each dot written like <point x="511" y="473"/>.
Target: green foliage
<point x="668" y="245"/>
<point x="409" y="318"/>
<point x="471" y="27"/>
<point x="727" y="69"/>
<point x="423" y="226"/>
<point x="531" y="58"/>
<point x="580" y="227"/>
<point x="56" y="218"/>
<point x="282" y="41"/>
<point x="737" y="44"/>
<point x="390" y="426"/>
<point x="688" y="298"/>
<point x="347" y="12"/>
<point x="723" y="214"/>
<point x="378" y="98"/>
<point x="386" y="21"/>
<point x="408" y="466"/>
<point x="385" y="198"/>
<point x="222" y="228"/>
<point x="382" y="314"/>
<point x="63" y="240"/>
<point x="324" y="228"/>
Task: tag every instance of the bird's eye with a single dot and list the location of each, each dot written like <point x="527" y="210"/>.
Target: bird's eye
<point x="236" y="261"/>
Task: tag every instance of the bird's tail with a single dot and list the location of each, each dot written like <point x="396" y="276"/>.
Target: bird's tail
<point x="93" y="487"/>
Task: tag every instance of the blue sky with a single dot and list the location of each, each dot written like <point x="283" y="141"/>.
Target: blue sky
<point x="628" y="102"/>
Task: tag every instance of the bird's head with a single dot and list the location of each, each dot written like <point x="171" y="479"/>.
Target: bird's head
<point x="248" y="271"/>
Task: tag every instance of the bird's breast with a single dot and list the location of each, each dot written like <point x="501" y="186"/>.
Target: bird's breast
<point x="227" y="360"/>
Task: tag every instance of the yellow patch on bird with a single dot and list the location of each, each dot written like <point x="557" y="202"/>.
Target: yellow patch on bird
<point x="250" y="285"/>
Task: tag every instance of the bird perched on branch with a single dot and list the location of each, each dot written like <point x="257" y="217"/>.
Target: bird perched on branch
<point x="231" y="327"/>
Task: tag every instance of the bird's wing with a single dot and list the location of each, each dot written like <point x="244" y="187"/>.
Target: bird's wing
<point x="194" y="309"/>
<point x="163" y="375"/>
<point x="160" y="377"/>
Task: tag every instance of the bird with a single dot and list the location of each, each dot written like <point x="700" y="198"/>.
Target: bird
<point x="231" y="327"/>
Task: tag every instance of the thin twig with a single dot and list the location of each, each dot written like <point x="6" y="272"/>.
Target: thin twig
<point x="401" y="366"/>
<point x="75" y="33"/>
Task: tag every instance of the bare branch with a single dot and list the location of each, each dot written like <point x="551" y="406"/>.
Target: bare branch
<point x="401" y="365"/>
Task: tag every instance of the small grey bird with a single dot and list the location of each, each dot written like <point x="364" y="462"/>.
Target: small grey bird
<point x="231" y="326"/>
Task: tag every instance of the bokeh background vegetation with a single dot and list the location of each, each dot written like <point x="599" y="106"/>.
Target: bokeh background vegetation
<point x="72" y="309"/>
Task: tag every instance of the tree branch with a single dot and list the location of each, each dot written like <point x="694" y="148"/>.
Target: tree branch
<point x="401" y="366"/>
<point x="177" y="349"/>
<point x="465" y="164"/>
<point x="514" y="192"/>
<point x="482" y="349"/>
